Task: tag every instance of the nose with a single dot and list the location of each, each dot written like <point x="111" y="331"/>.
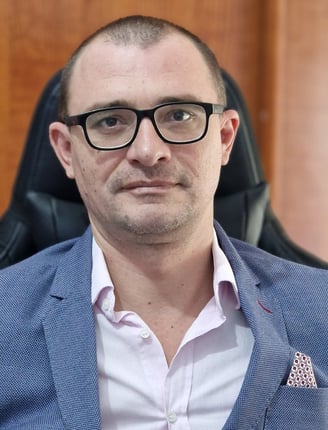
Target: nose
<point x="148" y="148"/>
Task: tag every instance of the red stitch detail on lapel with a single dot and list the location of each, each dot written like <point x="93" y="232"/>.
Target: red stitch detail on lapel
<point x="263" y="307"/>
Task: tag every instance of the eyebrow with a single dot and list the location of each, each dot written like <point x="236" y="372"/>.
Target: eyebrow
<point x="188" y="98"/>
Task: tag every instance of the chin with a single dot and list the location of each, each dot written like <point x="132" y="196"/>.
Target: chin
<point x="152" y="224"/>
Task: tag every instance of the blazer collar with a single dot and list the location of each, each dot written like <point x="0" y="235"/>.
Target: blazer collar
<point x="271" y="354"/>
<point x="70" y="335"/>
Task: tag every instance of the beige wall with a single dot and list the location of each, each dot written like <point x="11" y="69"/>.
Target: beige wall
<point x="275" y="49"/>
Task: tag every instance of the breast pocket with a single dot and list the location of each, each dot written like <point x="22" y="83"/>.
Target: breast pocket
<point x="298" y="409"/>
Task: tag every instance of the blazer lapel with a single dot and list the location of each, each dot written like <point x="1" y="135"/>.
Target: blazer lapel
<point x="271" y="356"/>
<point x="70" y="336"/>
<point x="270" y="359"/>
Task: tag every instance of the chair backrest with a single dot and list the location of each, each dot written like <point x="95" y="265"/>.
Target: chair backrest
<point x="46" y="207"/>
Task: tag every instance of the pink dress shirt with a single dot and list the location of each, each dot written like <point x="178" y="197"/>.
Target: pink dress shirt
<point x="138" y="391"/>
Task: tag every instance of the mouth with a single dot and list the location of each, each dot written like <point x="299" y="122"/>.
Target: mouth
<point x="149" y="187"/>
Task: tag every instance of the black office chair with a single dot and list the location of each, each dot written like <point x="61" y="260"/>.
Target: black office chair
<point x="46" y="207"/>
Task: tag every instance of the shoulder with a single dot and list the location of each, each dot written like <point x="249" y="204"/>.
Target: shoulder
<point x="25" y="290"/>
<point x="270" y="267"/>
<point x="33" y="272"/>
<point x="267" y="268"/>
<point x="33" y="288"/>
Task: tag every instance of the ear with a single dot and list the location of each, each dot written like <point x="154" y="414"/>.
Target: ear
<point x="228" y="130"/>
<point x="60" y="140"/>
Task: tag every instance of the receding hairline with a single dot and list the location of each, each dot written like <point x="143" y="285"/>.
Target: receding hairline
<point x="143" y="32"/>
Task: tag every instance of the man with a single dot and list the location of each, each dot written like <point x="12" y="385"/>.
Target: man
<point x="153" y="319"/>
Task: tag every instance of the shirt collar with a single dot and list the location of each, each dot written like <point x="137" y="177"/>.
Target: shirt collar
<point x="222" y="272"/>
<point x="100" y="277"/>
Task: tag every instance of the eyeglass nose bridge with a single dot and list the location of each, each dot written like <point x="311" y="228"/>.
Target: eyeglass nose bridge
<point x="150" y="114"/>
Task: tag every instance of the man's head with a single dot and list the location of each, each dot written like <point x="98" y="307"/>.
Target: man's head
<point x="143" y="32"/>
<point x="146" y="190"/>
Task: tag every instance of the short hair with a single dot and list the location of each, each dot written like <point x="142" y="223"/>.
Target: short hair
<point x="142" y="31"/>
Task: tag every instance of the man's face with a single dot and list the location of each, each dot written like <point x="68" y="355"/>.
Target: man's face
<point x="150" y="190"/>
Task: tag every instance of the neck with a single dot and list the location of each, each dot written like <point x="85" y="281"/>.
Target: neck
<point x="159" y="269"/>
<point x="166" y="285"/>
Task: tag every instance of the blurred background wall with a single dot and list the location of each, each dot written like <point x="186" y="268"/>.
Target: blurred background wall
<point x="275" y="49"/>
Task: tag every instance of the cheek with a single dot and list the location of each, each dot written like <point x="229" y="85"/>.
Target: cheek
<point x="205" y="163"/>
<point x="85" y="178"/>
<point x="86" y="172"/>
<point x="93" y="171"/>
<point x="212" y="170"/>
<point x="211" y="158"/>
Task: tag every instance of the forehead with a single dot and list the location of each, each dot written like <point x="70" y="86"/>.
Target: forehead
<point x="171" y="68"/>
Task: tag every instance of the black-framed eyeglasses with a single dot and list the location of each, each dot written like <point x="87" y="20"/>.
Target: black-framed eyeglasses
<point x="116" y="127"/>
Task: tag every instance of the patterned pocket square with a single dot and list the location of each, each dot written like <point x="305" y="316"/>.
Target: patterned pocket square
<point x="301" y="374"/>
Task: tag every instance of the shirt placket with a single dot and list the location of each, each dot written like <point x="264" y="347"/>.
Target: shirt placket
<point x="177" y="388"/>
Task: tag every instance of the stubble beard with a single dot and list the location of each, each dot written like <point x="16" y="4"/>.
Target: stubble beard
<point x="155" y="221"/>
<point x="157" y="225"/>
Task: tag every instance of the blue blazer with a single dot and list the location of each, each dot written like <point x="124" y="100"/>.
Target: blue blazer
<point x="48" y="364"/>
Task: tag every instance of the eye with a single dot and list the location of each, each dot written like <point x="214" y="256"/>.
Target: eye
<point x="111" y="120"/>
<point x="108" y="122"/>
<point x="180" y="115"/>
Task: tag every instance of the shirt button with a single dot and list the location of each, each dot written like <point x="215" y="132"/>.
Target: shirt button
<point x="105" y="305"/>
<point x="172" y="417"/>
<point x="144" y="333"/>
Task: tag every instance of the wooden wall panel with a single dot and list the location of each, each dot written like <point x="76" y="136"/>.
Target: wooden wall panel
<point x="295" y="102"/>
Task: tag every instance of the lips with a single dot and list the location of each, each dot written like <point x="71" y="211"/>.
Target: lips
<point x="148" y="184"/>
